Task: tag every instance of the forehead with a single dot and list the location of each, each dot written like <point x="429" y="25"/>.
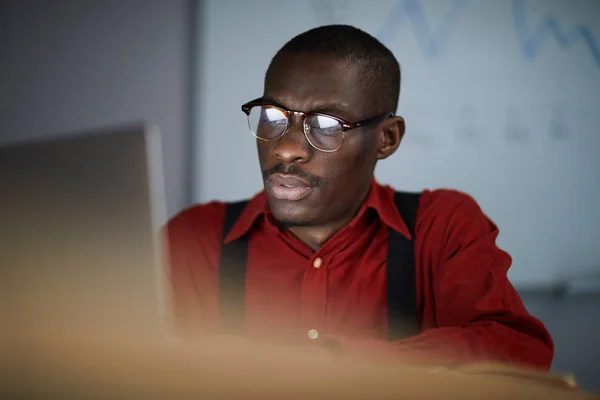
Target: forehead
<point x="306" y="82"/>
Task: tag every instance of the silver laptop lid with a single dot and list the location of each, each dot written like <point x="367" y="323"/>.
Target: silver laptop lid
<point x="80" y="217"/>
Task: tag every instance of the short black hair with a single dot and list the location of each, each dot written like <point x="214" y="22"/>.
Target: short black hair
<point x="376" y="63"/>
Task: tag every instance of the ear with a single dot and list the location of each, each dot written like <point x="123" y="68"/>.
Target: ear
<point x="391" y="132"/>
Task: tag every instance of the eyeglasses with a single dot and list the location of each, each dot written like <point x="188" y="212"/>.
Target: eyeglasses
<point x="269" y="122"/>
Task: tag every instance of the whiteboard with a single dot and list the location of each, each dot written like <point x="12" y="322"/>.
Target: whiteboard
<point x="501" y="100"/>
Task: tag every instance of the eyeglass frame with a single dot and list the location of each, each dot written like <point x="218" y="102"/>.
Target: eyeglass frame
<point x="346" y="126"/>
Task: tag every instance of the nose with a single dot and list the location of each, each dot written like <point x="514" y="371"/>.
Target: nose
<point x="293" y="146"/>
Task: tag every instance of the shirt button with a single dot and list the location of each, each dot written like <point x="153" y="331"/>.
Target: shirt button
<point x="318" y="262"/>
<point x="313" y="334"/>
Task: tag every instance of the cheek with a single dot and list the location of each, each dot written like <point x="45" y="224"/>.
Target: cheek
<point x="360" y="156"/>
<point x="364" y="160"/>
<point x="349" y="169"/>
<point x="264" y="151"/>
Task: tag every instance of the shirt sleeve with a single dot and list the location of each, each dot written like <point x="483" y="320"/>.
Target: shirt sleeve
<point x="479" y="316"/>
<point x="193" y="242"/>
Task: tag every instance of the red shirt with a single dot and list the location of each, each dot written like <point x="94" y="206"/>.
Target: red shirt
<point x="467" y="307"/>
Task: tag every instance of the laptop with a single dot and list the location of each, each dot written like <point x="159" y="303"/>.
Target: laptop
<point x="80" y="219"/>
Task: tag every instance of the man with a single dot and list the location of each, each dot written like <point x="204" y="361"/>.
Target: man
<point x="316" y="265"/>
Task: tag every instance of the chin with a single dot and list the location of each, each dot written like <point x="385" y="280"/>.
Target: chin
<point x="290" y="213"/>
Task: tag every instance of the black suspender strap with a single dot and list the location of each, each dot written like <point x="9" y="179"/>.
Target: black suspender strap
<point x="232" y="274"/>
<point x="401" y="281"/>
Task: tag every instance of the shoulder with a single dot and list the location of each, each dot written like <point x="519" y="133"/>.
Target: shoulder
<point x="450" y="220"/>
<point x="196" y="232"/>
<point x="193" y="237"/>
<point x="447" y="204"/>
<point x="204" y="217"/>
<point x="205" y="222"/>
<point x="449" y="215"/>
<point x="199" y="226"/>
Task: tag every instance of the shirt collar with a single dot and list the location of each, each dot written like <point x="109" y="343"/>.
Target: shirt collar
<point x="380" y="198"/>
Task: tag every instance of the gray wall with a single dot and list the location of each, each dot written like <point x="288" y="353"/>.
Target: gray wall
<point x="574" y="323"/>
<point x="72" y="64"/>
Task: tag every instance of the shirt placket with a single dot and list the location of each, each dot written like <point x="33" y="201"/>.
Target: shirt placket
<point x="314" y="297"/>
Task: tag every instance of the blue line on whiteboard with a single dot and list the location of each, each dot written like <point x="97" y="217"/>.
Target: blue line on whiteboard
<point x="432" y="43"/>
<point x="532" y="41"/>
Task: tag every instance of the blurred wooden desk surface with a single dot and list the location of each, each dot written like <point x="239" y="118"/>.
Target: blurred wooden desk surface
<point x="230" y="368"/>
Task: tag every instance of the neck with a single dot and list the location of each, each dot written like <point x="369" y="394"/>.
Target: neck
<point x="316" y="236"/>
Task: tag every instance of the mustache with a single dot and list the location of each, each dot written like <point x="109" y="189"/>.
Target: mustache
<point x="293" y="170"/>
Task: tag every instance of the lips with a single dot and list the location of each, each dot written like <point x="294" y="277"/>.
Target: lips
<point x="288" y="187"/>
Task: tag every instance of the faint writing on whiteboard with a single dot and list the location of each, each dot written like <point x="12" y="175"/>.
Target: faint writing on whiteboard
<point x="513" y="125"/>
<point x="531" y="35"/>
<point x="467" y="130"/>
<point x="559" y="128"/>
<point x="516" y="131"/>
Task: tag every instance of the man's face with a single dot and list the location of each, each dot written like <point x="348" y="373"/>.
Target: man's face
<point x="305" y="186"/>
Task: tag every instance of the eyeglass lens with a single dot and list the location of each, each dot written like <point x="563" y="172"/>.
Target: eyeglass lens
<point x="270" y="123"/>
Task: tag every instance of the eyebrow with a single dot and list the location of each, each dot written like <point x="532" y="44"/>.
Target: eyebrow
<point x="333" y="109"/>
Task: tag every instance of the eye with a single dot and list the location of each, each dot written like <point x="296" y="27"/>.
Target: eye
<point x="273" y="116"/>
<point x="323" y="125"/>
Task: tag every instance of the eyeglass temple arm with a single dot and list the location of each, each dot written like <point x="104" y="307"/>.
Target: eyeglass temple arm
<point x="368" y="121"/>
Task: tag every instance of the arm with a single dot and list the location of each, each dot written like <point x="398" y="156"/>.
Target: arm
<point x="192" y="245"/>
<point x="478" y="315"/>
